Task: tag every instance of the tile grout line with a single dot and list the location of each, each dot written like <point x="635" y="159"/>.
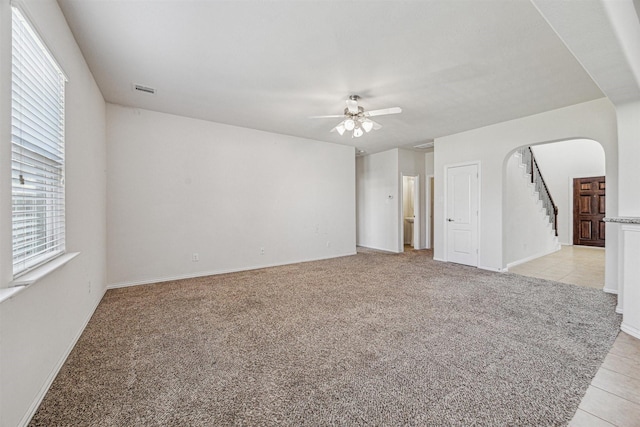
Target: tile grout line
<point x="620" y="373"/>
<point x="613" y="394"/>
<point x="596" y="416"/>
<point x="624" y="356"/>
<point x="617" y="353"/>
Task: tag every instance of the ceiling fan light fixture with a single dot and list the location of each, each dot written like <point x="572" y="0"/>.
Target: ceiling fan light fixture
<point x="349" y="124"/>
<point x="356" y="119"/>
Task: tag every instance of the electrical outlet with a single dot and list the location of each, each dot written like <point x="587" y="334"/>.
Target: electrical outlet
<point x="261" y="251"/>
<point x="195" y="257"/>
<point x="328" y="244"/>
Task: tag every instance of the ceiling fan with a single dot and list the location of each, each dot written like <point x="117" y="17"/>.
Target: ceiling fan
<point x="356" y="119"/>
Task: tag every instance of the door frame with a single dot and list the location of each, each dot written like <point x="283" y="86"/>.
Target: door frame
<point x="574" y="214"/>
<point x="478" y="164"/>
<point x="416" y="211"/>
<point x="429" y="202"/>
<point x="570" y="217"/>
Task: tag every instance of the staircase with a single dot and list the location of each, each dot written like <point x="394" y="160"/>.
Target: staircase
<point x="528" y="160"/>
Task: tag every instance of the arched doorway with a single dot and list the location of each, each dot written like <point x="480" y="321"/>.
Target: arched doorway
<point x="529" y="235"/>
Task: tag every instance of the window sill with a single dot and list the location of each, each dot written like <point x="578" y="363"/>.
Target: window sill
<point x="7" y="293"/>
<point x="33" y="276"/>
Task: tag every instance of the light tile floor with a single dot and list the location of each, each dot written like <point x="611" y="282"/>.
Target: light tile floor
<point x="578" y="265"/>
<point x="613" y="398"/>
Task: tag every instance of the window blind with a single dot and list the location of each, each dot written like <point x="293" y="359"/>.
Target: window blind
<point x="37" y="150"/>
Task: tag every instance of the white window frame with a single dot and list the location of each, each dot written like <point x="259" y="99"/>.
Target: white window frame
<point x="37" y="141"/>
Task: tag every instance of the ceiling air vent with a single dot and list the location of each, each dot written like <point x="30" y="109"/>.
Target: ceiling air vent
<point x="145" y="89"/>
<point x="425" y="145"/>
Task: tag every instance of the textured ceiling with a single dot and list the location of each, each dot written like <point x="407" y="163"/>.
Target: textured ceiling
<point x="269" y="65"/>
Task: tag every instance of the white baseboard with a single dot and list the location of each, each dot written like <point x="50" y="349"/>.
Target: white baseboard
<point x="618" y="309"/>
<point x="214" y="272"/>
<point x="610" y="290"/>
<point x="634" y="332"/>
<point x="377" y="249"/>
<point x="532" y="257"/>
<point x="52" y="376"/>
<point x="496" y="270"/>
<point x="481" y="267"/>
<point x="595" y="248"/>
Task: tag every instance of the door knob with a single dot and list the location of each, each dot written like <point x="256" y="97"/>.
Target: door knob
<point x="450" y="220"/>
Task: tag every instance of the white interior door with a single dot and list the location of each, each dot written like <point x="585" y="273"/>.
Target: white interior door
<point x="462" y="214"/>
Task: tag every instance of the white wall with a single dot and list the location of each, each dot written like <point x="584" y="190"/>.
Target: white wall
<point x="629" y="150"/>
<point x="493" y="145"/>
<point x="629" y="146"/>
<point x="380" y="222"/>
<point x="179" y="186"/>
<point x="559" y="163"/>
<point x="377" y="179"/>
<point x="39" y="325"/>
<point x="428" y="163"/>
<point x="528" y="232"/>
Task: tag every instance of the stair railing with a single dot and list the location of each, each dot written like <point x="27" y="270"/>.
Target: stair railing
<point x="529" y="160"/>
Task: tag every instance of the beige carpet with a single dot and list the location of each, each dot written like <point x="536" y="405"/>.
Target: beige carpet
<point x="371" y="339"/>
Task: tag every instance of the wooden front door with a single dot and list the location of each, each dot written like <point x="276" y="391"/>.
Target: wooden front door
<point x="588" y="211"/>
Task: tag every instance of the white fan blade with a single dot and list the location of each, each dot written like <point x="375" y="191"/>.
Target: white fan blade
<point x="340" y="128"/>
<point x="335" y="116"/>
<point x="376" y="125"/>
<point x="352" y="106"/>
<point x="384" y="111"/>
